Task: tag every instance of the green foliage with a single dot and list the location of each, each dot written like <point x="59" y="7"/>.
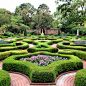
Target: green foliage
<point x="4" y="11"/>
<point x="6" y="54"/>
<point x="4" y="19"/>
<point x="58" y="31"/>
<point x="25" y="32"/>
<point x="42" y="20"/>
<point x="80" y="78"/>
<point x="43" y="8"/>
<point x="5" y="79"/>
<point x="34" y="71"/>
<point x="8" y="34"/>
<point x="68" y="34"/>
<point x="54" y="24"/>
<point x="16" y="20"/>
<point x="33" y="33"/>
<point x="82" y="30"/>
<point x="25" y="26"/>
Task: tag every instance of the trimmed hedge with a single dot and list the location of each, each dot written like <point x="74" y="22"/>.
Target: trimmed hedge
<point x="39" y="46"/>
<point x="23" y="45"/>
<point x="61" y="46"/>
<point x="80" y="78"/>
<point x="79" y="53"/>
<point x="6" y="54"/>
<point x="5" y="79"/>
<point x="42" y="74"/>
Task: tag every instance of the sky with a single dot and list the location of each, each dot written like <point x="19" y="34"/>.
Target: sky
<point x="11" y="4"/>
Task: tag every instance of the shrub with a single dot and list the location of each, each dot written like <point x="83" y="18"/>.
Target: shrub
<point x="39" y="74"/>
<point x="25" y="32"/>
<point x="33" y="33"/>
<point x="5" y="79"/>
<point x="58" y="32"/>
<point x="8" y="34"/>
<point x="80" y="78"/>
<point x="67" y="34"/>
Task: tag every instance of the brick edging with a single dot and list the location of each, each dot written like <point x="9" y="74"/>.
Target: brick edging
<point x="54" y="83"/>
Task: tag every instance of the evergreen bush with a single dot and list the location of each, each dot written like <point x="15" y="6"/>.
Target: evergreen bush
<point x="59" y="32"/>
<point x="8" y="34"/>
<point x="25" y="32"/>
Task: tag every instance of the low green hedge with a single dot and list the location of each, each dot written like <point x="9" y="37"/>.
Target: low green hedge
<point x="11" y="44"/>
<point x="80" y="78"/>
<point x="23" y="45"/>
<point x="5" y="79"/>
<point x="72" y="44"/>
<point x="3" y="36"/>
<point x="30" y="41"/>
<point x="61" y="46"/>
<point x="79" y="53"/>
<point x="42" y="74"/>
<point x="6" y="54"/>
<point x="54" y="41"/>
<point x="14" y="40"/>
<point x="39" y="46"/>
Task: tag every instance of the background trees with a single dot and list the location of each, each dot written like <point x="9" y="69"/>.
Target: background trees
<point x="67" y="15"/>
<point x="71" y="16"/>
<point x="42" y="18"/>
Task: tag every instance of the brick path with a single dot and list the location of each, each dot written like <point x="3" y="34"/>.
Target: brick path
<point x="18" y="80"/>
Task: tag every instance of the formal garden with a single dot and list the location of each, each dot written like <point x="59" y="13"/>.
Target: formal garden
<point x="28" y="46"/>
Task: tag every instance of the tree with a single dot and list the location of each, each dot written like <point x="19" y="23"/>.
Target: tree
<point x="17" y="11"/>
<point x="4" y="19"/>
<point x="16" y="20"/>
<point x="25" y="32"/>
<point x="44" y="8"/>
<point x="27" y="6"/>
<point x="5" y="16"/>
<point x="42" y="20"/>
<point x="4" y="11"/>
<point x="71" y="16"/>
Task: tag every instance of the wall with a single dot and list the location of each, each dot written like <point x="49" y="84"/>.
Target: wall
<point x="47" y="31"/>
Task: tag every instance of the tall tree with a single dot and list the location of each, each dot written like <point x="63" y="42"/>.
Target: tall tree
<point x="27" y="6"/>
<point x="42" y="20"/>
<point x="16" y="20"/>
<point x="44" y="8"/>
<point x="5" y="16"/>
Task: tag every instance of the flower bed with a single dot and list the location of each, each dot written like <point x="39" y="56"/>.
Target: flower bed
<point x="2" y="42"/>
<point x="79" y="42"/>
<point x="43" y="60"/>
<point x="39" y="74"/>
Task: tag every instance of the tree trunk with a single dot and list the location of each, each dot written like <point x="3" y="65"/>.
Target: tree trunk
<point x="77" y="32"/>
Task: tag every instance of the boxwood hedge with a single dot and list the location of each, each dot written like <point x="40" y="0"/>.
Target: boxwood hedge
<point x="80" y="78"/>
<point x="6" y="54"/>
<point x="42" y="74"/>
<point x="22" y="45"/>
<point x="62" y="46"/>
<point x="5" y="79"/>
<point x="79" y="53"/>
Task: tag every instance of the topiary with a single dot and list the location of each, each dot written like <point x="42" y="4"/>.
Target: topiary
<point x="25" y="32"/>
<point x="58" y="32"/>
<point x="8" y="34"/>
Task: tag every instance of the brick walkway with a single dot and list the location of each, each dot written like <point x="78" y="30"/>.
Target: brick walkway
<point x="18" y="80"/>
